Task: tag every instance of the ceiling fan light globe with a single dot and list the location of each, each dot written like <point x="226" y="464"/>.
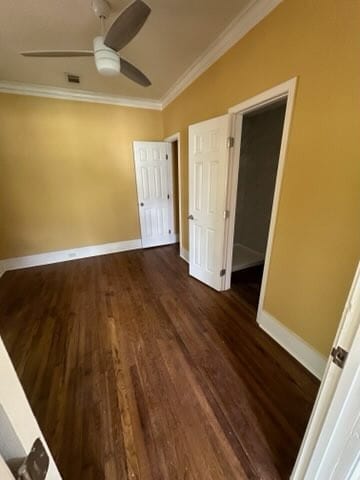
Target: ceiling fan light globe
<point x="107" y="61"/>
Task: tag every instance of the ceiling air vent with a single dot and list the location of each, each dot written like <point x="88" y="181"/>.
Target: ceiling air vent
<point x="72" y="78"/>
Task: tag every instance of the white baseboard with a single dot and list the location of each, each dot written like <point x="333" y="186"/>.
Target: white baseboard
<point x="304" y="353"/>
<point x="161" y="241"/>
<point x="184" y="254"/>
<point x="67" y="255"/>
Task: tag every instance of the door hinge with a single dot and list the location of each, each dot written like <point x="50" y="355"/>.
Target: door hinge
<point x="36" y="465"/>
<point x="339" y="356"/>
<point x="167" y="157"/>
<point x="226" y="214"/>
<point x="222" y="272"/>
<point x="230" y="141"/>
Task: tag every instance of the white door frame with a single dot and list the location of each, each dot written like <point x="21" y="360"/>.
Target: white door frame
<point x="176" y="138"/>
<point x="284" y="90"/>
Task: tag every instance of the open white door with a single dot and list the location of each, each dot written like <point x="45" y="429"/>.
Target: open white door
<point x="208" y="167"/>
<point x="18" y="426"/>
<point x="5" y="473"/>
<point x="153" y="169"/>
<point x="331" y="446"/>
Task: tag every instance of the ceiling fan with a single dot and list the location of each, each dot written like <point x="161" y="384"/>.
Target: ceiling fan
<point x="107" y="45"/>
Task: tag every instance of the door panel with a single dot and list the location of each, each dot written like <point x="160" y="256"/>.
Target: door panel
<point x="208" y="161"/>
<point x="18" y="426"/>
<point x="154" y="186"/>
<point x="331" y="446"/>
<point x="338" y="448"/>
<point x="5" y="473"/>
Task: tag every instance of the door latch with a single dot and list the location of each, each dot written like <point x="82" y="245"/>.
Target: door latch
<point x="230" y="142"/>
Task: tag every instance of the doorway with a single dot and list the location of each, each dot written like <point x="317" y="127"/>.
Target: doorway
<point x="260" y="142"/>
<point x="214" y="161"/>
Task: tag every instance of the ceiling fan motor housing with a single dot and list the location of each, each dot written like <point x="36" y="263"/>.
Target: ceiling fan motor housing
<point x="101" y="8"/>
<point x="107" y="60"/>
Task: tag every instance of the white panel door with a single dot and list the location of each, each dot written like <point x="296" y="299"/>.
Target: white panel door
<point x="18" y="426"/>
<point x="5" y="473"/>
<point x="331" y="445"/>
<point x="336" y="455"/>
<point x="208" y="162"/>
<point x="153" y="168"/>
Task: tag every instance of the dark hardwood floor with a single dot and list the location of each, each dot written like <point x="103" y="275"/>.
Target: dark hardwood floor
<point x="135" y="370"/>
<point x="246" y="283"/>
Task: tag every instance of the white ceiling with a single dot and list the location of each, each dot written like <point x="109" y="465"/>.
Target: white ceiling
<point x="174" y="36"/>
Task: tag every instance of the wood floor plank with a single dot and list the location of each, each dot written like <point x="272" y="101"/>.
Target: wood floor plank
<point x="135" y="370"/>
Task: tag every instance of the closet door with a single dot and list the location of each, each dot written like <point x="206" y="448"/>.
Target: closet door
<point x="153" y="168"/>
<point x="208" y="162"/>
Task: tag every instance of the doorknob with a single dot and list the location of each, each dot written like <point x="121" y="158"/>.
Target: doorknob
<point x="190" y="217"/>
<point x="141" y="204"/>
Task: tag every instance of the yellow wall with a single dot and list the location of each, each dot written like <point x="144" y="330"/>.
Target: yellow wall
<point x="317" y="239"/>
<point x="67" y="178"/>
<point x="66" y="173"/>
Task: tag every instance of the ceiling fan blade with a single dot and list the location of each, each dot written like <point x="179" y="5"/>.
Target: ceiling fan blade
<point x="58" y="53"/>
<point x="133" y="73"/>
<point x="127" y="25"/>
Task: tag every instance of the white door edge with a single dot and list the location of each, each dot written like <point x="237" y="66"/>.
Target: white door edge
<point x="345" y="334"/>
<point x="19" y="413"/>
<point x="176" y="138"/>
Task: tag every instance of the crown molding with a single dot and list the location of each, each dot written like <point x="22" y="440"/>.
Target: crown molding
<point x="238" y="28"/>
<point x="31" y="89"/>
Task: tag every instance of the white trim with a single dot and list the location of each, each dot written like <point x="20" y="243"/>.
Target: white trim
<point x="176" y="138"/>
<point x="67" y="255"/>
<point x="289" y="89"/>
<point x="265" y="98"/>
<point x="47" y="91"/>
<point x="286" y="89"/>
<point x="184" y="254"/>
<point x="258" y="258"/>
<point x="173" y="138"/>
<point x="314" y="361"/>
<point x="170" y="240"/>
<point x="239" y="27"/>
